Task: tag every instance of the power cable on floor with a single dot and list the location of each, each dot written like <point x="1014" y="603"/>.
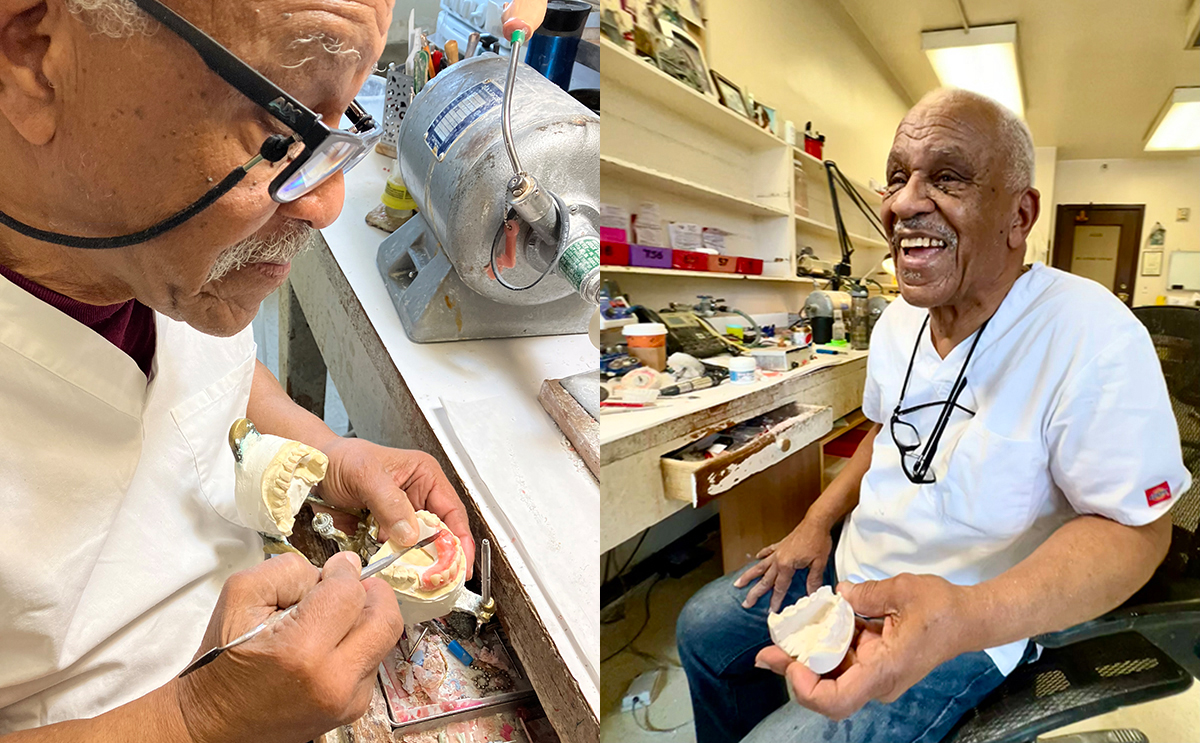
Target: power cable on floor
<point x="657" y="579"/>
<point x="649" y="726"/>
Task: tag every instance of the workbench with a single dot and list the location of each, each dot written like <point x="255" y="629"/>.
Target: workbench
<point x="335" y="312"/>
<point x="632" y="444"/>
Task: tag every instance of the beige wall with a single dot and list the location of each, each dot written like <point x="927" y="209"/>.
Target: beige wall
<point x="1163" y="185"/>
<point x="808" y="60"/>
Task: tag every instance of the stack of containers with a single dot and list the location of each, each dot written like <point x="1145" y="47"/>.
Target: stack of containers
<point x="616" y="250"/>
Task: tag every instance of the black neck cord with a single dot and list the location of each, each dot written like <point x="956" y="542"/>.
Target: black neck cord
<point x="124" y="241"/>
<point x="273" y="150"/>
<point x="926" y="457"/>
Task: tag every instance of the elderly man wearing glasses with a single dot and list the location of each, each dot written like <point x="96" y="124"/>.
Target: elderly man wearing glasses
<point x="162" y="167"/>
<point x="1023" y="437"/>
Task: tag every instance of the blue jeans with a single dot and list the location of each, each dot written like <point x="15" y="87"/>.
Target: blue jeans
<point x="734" y="701"/>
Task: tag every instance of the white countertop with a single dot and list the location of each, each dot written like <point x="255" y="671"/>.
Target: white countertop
<point x="464" y="371"/>
<point x="614" y="426"/>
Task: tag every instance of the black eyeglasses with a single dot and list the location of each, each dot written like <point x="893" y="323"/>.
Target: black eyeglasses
<point x="905" y="434"/>
<point x="326" y="151"/>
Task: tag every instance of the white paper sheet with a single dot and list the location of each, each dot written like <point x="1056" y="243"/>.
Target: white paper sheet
<point x="551" y="506"/>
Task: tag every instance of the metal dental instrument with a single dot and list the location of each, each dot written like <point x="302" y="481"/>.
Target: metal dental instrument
<point x="506" y="112"/>
<point x="367" y="572"/>
<point x="487" y="607"/>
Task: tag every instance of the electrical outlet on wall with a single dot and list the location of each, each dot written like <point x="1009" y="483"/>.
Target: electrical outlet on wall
<point x="1183" y="214"/>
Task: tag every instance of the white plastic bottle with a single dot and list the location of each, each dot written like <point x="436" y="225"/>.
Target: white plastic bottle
<point x="839" y="327"/>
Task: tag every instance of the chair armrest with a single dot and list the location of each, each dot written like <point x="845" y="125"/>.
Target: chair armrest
<point x="1142" y="618"/>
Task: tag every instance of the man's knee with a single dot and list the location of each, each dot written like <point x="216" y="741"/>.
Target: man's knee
<point x="705" y="613"/>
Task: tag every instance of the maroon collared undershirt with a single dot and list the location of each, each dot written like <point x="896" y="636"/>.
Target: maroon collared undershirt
<point x="129" y="325"/>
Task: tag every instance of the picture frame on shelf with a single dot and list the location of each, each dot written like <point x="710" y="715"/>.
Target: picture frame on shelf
<point x="683" y="59"/>
<point x="729" y="94"/>
<point x="769" y="121"/>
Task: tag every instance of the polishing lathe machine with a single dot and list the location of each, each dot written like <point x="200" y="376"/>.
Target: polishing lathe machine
<point x="504" y="242"/>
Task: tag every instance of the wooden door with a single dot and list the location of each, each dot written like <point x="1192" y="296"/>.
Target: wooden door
<point x="1100" y="242"/>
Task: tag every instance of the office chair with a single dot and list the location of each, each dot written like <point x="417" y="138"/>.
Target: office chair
<point x="1149" y="647"/>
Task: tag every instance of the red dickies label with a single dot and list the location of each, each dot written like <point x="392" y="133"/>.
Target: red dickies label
<point x="1158" y="494"/>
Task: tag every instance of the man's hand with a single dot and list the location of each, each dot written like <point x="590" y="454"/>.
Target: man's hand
<point x="302" y="676"/>
<point x="392" y="484"/>
<point x="807" y="546"/>
<point x="922" y="628"/>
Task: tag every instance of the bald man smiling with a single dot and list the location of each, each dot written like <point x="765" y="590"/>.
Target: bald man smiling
<point x="1023" y="437"/>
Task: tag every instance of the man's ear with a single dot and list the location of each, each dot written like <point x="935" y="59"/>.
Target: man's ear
<point x="1028" y="208"/>
<point x="27" y="97"/>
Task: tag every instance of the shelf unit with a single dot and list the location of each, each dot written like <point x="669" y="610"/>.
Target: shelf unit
<point x="704" y="274"/>
<point x="806" y="224"/>
<point x="611" y="167"/>
<point x="700" y="162"/>
<point x="641" y="76"/>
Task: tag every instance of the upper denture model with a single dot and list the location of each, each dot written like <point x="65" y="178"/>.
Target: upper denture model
<point x="273" y="478"/>
<point x="816" y="630"/>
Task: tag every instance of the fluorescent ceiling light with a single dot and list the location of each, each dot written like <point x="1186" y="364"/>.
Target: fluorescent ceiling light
<point x="982" y="60"/>
<point x="1177" y="126"/>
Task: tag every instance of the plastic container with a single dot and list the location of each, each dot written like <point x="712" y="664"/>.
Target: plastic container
<point x="749" y="266"/>
<point x="839" y="327"/>
<point x="722" y="263"/>
<point x="614" y="234"/>
<point x="646" y="257"/>
<point x="741" y="369"/>
<point x="647" y="342"/>
<point x="860" y="320"/>
<point x="553" y="47"/>
<point x="614" y="253"/>
<point x="689" y="260"/>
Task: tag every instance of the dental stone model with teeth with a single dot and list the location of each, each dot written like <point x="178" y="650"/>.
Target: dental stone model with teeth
<point x="274" y="476"/>
<point x="428" y="582"/>
<point x="816" y="630"/>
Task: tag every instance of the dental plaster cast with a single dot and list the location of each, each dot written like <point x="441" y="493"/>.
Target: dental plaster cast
<point x="426" y="581"/>
<point x="816" y="630"/>
<point x="274" y="476"/>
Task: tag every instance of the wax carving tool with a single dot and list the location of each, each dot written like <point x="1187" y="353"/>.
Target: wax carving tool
<point x="367" y="572"/>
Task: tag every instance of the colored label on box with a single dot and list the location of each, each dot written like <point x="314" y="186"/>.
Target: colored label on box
<point x="647" y="257"/>
<point x="750" y="266"/>
<point x="722" y="263"/>
<point x="689" y="260"/>
<point x="614" y="253"/>
<point x="614" y="235"/>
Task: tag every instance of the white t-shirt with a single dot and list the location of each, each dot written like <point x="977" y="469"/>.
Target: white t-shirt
<point x="1071" y="417"/>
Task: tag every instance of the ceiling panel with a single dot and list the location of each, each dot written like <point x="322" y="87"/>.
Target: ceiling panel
<point x="1095" y="72"/>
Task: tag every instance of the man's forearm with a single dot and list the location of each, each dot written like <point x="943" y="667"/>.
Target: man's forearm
<point x="272" y="411"/>
<point x="841" y="496"/>
<point x="153" y="718"/>
<point x="1071" y="578"/>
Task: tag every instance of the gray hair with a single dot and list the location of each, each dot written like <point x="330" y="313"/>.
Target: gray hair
<point x="122" y="19"/>
<point x="1016" y="141"/>
<point x="119" y="19"/>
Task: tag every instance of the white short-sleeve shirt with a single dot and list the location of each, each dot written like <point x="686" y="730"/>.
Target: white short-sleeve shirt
<point x="1071" y="417"/>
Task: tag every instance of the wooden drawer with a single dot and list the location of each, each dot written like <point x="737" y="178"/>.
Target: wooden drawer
<point x="698" y="482"/>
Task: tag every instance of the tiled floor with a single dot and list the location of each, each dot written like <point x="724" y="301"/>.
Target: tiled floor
<point x="1172" y="720"/>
